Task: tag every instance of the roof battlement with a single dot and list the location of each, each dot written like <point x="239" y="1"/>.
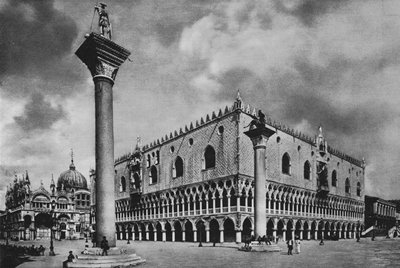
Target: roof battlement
<point x="238" y="106"/>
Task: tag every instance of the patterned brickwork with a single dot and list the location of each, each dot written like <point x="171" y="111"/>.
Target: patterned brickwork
<point x="230" y="160"/>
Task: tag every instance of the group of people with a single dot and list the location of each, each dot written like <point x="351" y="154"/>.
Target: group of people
<point x="293" y="244"/>
<point x="24" y="250"/>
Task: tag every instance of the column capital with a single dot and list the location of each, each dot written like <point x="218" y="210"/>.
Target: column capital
<point x="259" y="136"/>
<point x="102" y="56"/>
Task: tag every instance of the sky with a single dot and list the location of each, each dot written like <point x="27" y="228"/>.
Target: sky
<point x="303" y="62"/>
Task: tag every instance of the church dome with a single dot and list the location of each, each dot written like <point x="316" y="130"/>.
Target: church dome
<point x="71" y="179"/>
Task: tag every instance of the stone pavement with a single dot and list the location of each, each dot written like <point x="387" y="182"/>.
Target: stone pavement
<point x="344" y="253"/>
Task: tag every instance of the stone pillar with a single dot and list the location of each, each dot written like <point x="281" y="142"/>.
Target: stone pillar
<point x="315" y="234"/>
<point x="173" y="235"/>
<point x="238" y="236"/>
<point x="274" y="234"/>
<point x="164" y="236"/>
<point x="284" y="234"/>
<point x="183" y="236"/>
<point x="259" y="137"/>
<point x="221" y="236"/>
<point x="155" y="235"/>
<point x="301" y="234"/>
<point x="147" y="235"/>
<point x="103" y="57"/>
<point x="207" y="235"/>
<point x="194" y="236"/>
<point x="140" y="236"/>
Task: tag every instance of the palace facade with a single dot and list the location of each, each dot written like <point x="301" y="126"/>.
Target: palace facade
<point x="32" y="214"/>
<point x="197" y="184"/>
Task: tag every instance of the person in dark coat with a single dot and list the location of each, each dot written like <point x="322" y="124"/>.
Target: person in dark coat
<point x="104" y="246"/>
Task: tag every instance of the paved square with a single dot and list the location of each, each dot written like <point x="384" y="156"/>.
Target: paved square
<point x="344" y="253"/>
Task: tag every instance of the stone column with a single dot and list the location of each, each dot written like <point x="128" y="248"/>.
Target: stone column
<point x="194" y="236"/>
<point x="155" y="235"/>
<point x="207" y="235"/>
<point x="259" y="138"/>
<point x="238" y="236"/>
<point x="173" y="235"/>
<point x="103" y="57"/>
<point x="221" y="236"/>
<point x="164" y="235"/>
<point x="183" y="236"/>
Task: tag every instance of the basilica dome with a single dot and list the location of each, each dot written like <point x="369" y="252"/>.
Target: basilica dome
<point x="71" y="179"/>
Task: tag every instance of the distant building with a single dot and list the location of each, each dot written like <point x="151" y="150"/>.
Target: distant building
<point x="197" y="183"/>
<point x="30" y="213"/>
<point x="379" y="213"/>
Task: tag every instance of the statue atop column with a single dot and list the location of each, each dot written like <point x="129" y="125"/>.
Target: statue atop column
<point x="104" y="22"/>
<point x="258" y="122"/>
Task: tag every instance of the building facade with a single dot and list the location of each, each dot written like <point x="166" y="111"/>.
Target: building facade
<point x="197" y="183"/>
<point x="32" y="214"/>
<point x="379" y="213"/>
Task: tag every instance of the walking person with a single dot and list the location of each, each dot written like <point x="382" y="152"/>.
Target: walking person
<point x="298" y="246"/>
<point x="104" y="246"/>
<point x="290" y="246"/>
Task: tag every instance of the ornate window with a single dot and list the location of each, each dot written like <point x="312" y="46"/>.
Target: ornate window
<point x="177" y="168"/>
<point x="123" y="184"/>
<point x="307" y="170"/>
<point x="347" y="186"/>
<point x="334" y="178"/>
<point x="153" y="175"/>
<point x="286" y="164"/>
<point x="148" y="161"/>
<point x="209" y="158"/>
<point x="358" y="189"/>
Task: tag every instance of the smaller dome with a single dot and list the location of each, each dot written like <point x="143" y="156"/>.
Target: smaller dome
<point x="71" y="179"/>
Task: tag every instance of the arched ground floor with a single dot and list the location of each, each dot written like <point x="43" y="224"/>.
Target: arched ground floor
<point x="235" y="228"/>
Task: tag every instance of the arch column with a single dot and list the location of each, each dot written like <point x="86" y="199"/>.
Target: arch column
<point x="238" y="236"/>
<point x="155" y="234"/>
<point x="207" y="235"/>
<point x="147" y="235"/>
<point x="164" y="235"/>
<point x="173" y="235"/>
<point x="183" y="235"/>
<point x="140" y="235"/>
<point x="274" y="234"/>
<point x="221" y="235"/>
<point x="301" y="233"/>
<point x="284" y="233"/>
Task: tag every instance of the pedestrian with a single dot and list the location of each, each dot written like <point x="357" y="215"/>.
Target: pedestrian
<point x="298" y="246"/>
<point x="104" y="246"/>
<point x="322" y="242"/>
<point x="290" y="246"/>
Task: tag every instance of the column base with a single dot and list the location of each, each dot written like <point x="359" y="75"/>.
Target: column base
<point x="116" y="258"/>
<point x="256" y="247"/>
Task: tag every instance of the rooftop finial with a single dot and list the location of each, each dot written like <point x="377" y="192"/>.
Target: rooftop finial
<point x="72" y="166"/>
<point x="138" y="143"/>
<point x="238" y="96"/>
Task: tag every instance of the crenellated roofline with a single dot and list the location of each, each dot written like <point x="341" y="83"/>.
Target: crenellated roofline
<point x="238" y="106"/>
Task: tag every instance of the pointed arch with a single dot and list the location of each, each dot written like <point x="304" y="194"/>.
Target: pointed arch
<point x="209" y="157"/>
<point x="286" y="164"/>
<point x="307" y="170"/>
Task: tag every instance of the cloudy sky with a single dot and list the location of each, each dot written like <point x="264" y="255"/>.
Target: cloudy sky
<point x="304" y="62"/>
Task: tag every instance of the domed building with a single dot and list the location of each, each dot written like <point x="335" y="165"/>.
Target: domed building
<point x="32" y="214"/>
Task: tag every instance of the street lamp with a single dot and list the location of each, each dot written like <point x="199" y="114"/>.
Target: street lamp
<point x="53" y="205"/>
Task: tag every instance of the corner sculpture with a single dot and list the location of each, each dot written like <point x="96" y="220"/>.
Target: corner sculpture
<point x="258" y="122"/>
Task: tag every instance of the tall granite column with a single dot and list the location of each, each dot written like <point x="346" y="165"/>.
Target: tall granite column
<point x="259" y="136"/>
<point x="103" y="58"/>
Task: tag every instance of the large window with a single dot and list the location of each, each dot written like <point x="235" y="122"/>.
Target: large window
<point x="358" y="189"/>
<point x="209" y="158"/>
<point x="347" y="186"/>
<point x="123" y="184"/>
<point x="334" y="178"/>
<point x="307" y="170"/>
<point x="153" y="175"/>
<point x="286" y="164"/>
<point x="177" y="170"/>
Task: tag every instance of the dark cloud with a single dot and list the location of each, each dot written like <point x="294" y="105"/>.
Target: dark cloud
<point x="39" y="114"/>
<point x="35" y="42"/>
<point x="308" y="11"/>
